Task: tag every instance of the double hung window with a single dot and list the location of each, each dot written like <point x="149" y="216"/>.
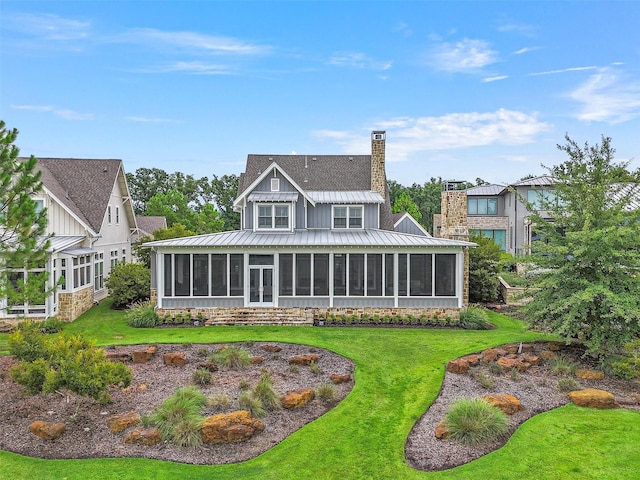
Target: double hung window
<point x="347" y="216"/>
<point x="273" y="216"/>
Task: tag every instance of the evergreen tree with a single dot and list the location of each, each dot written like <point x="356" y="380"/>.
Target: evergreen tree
<point x="484" y="266"/>
<point x="23" y="244"/>
<point x="589" y="252"/>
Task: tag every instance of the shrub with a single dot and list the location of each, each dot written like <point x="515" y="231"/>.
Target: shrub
<point x="201" y="376"/>
<point x="142" y="315"/>
<point x="628" y="367"/>
<point x="129" y="283"/>
<point x="495" y="368"/>
<point x="563" y="366"/>
<point x="178" y="418"/>
<point x="26" y="342"/>
<point x="326" y="392"/>
<point x="31" y="375"/>
<point x="474" y="421"/>
<point x="624" y="370"/>
<point x="568" y="385"/>
<point x="314" y="368"/>
<point x="293" y="368"/>
<point x="485" y="381"/>
<point x="252" y="404"/>
<point x="51" y="325"/>
<point x="232" y="357"/>
<point x="265" y="392"/>
<point x="218" y="401"/>
<point x="484" y="264"/>
<point x="474" y="318"/>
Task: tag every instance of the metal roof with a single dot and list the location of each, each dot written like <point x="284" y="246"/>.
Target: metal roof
<point x="309" y="238"/>
<point x="485" y="190"/>
<point x="58" y="243"/>
<point x="349" y="196"/>
<point x="273" y="197"/>
<point x="76" y="252"/>
<point x="541" y="181"/>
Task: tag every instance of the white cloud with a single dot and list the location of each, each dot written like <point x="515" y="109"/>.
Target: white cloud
<point x="564" y="70"/>
<point x="463" y="56"/>
<point x="358" y="60"/>
<point x="526" y="50"/>
<point x="58" y="112"/>
<point x="48" y="26"/>
<point x="606" y="97"/>
<point x="195" y="67"/>
<point x="448" y="132"/>
<point x="193" y="41"/>
<point x="495" y="79"/>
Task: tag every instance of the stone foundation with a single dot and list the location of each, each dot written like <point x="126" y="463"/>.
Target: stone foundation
<point x="72" y="305"/>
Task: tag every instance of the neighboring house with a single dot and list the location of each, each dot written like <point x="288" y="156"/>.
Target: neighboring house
<point x="90" y="215"/>
<point x="147" y="225"/>
<point x="498" y="212"/>
<point x="317" y="236"/>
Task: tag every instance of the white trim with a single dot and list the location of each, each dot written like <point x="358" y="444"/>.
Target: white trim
<point x="272" y="228"/>
<point x="348" y="217"/>
<point x="86" y="226"/>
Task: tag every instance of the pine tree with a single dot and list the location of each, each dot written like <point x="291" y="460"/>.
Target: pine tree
<point x="23" y="243"/>
<point x="589" y="251"/>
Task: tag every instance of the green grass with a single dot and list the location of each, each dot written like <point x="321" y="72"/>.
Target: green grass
<point x="398" y="375"/>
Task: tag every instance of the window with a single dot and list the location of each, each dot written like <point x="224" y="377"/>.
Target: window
<point x="114" y="258"/>
<point x="39" y="205"/>
<point x="498" y="236"/>
<point x="63" y="274"/>
<point x="82" y="271"/>
<point x="445" y="275"/>
<point x="541" y="198"/>
<point x="275" y="184"/>
<point x="17" y="278"/>
<point x="347" y="217"/>
<point x="275" y="216"/>
<point x="117" y="215"/>
<point x="109" y="214"/>
<point x="482" y="206"/>
<point x="98" y="271"/>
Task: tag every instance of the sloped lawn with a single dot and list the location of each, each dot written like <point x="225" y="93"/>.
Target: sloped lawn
<point x="398" y="375"/>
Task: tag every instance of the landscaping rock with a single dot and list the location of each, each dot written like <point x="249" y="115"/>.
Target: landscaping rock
<point x="230" y="427"/>
<point x="118" y="356"/>
<point x="338" y="379"/>
<point x="143" y="356"/>
<point x="473" y="360"/>
<point x="531" y="359"/>
<point x="143" y="436"/>
<point x="47" y="430"/>
<point x="593" y="398"/>
<point x="555" y="346"/>
<point x="212" y="367"/>
<point x="256" y="360"/>
<point x="491" y="354"/>
<point x="509" y="404"/>
<point x="175" y="359"/>
<point x="304" y="359"/>
<point x="548" y="355"/>
<point x="509" y="364"/>
<point x="441" y="431"/>
<point x="122" y="421"/>
<point x="585" y="374"/>
<point x="298" y="398"/>
<point x="271" y="348"/>
<point x="459" y="365"/>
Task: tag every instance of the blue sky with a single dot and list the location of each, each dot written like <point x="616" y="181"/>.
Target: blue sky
<point x="463" y="89"/>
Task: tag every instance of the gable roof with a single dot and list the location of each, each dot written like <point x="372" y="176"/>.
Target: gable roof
<point x="399" y="218"/>
<point x="84" y="187"/>
<point x="149" y="224"/>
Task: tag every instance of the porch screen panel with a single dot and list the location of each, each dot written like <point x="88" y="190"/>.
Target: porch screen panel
<point x="182" y="275"/>
<point x="388" y="275"/>
<point x="219" y="275"/>
<point x="402" y="275"/>
<point x="445" y="275"/>
<point x="303" y="274"/>
<point x="236" y="274"/>
<point x="321" y="274"/>
<point x="374" y="274"/>
<point x="200" y="275"/>
<point x="339" y="274"/>
<point x="356" y="274"/>
<point x="286" y="274"/>
<point x="167" y="274"/>
<point x="420" y="275"/>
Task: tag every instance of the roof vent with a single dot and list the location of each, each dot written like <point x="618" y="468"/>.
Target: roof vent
<point x="350" y="159"/>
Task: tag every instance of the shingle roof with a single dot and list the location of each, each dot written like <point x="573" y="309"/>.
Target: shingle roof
<point x="84" y="186"/>
<point x="149" y="224"/>
<point x="309" y="238"/>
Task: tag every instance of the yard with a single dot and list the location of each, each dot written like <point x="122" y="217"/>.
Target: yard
<point x="398" y="375"/>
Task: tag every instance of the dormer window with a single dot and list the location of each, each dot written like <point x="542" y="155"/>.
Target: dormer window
<point x="347" y="216"/>
<point x="275" y="184"/>
<point x="273" y="217"/>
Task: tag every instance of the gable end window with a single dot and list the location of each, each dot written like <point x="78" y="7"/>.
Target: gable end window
<point x="117" y="215"/>
<point x="273" y="216"/>
<point x="347" y="216"/>
<point x="109" y="214"/>
<point x="275" y="184"/>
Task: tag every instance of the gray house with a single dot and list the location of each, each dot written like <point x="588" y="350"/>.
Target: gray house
<point x="317" y="236"/>
<point x="500" y="212"/>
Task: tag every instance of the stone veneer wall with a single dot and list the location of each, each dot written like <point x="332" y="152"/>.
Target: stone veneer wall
<point x="378" y="174"/>
<point x="296" y="315"/>
<point x="72" y="305"/>
<point x="453" y="215"/>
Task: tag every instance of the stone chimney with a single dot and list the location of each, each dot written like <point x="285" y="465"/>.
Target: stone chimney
<point x="453" y="219"/>
<point x="378" y="174"/>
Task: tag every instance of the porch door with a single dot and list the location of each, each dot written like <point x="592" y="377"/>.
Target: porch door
<point x="261" y="285"/>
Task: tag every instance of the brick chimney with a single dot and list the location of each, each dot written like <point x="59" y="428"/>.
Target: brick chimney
<point x="378" y="174"/>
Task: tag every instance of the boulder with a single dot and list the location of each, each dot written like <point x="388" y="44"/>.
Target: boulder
<point x="118" y="356"/>
<point x="304" y="359"/>
<point x="143" y="356"/>
<point x="459" y="365"/>
<point x="122" y="421"/>
<point x="270" y="348"/>
<point x="491" y="354"/>
<point x="441" y="431"/>
<point x="586" y="374"/>
<point x="548" y="355"/>
<point x="530" y="359"/>
<point x="297" y="398"/>
<point x="473" y="359"/>
<point x="175" y="359"/>
<point x="506" y="402"/>
<point x="143" y="436"/>
<point x="509" y="364"/>
<point x="256" y="360"/>
<point x="337" y="378"/>
<point x="593" y="398"/>
<point x="230" y="427"/>
<point x="47" y="430"/>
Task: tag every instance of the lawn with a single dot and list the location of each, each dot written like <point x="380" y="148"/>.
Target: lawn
<point x="398" y="374"/>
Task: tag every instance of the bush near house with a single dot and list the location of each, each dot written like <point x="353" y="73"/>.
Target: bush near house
<point x="128" y="283"/>
<point x="484" y="266"/>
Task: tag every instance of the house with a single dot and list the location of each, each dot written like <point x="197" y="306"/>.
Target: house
<point x="317" y="236"/>
<point x="147" y="225"/>
<point x="496" y="211"/>
<point x="91" y="219"/>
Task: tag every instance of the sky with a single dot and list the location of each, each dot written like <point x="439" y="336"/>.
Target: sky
<point x="464" y="90"/>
